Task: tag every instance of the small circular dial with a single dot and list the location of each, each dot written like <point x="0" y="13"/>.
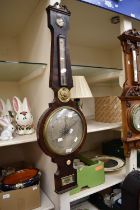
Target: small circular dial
<point x="135" y="117"/>
<point x="64" y="130"/>
<point x="60" y="21"/>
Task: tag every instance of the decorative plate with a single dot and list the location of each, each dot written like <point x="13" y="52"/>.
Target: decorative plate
<point x="111" y="163"/>
<point x="21" y="179"/>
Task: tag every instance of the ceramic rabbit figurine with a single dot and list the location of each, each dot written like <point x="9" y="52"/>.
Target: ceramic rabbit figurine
<point x="23" y="118"/>
<point x="6" y="109"/>
<point x="8" y="130"/>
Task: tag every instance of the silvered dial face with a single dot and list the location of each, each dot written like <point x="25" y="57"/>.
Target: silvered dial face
<point x="135" y="117"/>
<point x="64" y="130"/>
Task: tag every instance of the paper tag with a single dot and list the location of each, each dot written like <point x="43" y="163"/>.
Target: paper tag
<point x="60" y="139"/>
<point x="68" y="150"/>
<point x="6" y="196"/>
<point x="75" y="140"/>
<point x="98" y="168"/>
<point x="34" y="187"/>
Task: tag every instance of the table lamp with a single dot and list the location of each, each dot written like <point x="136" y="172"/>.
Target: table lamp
<point x="80" y="89"/>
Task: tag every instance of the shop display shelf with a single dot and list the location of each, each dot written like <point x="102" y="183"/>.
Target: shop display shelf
<point x="46" y="204"/>
<point x="19" y="140"/>
<point x="111" y="179"/>
<point x="94" y="126"/>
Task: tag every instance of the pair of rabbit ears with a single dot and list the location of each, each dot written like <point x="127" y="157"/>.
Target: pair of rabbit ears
<point x="19" y="106"/>
<point x="4" y="121"/>
<point x="5" y="107"/>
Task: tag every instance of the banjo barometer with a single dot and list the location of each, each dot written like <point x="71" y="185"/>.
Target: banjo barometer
<point x="130" y="98"/>
<point x="61" y="129"/>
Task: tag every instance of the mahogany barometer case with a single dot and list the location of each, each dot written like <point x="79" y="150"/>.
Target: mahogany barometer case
<point x="130" y="98"/>
<point x="61" y="129"/>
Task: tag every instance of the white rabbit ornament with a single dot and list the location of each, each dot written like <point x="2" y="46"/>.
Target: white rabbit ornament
<point x="23" y="118"/>
<point x="8" y="130"/>
<point x="6" y="109"/>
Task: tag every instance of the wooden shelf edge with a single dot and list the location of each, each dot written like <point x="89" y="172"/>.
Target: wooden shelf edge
<point x="111" y="179"/>
<point x="46" y="204"/>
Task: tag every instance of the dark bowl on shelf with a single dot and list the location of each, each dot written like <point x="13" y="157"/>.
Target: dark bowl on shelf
<point x="21" y="179"/>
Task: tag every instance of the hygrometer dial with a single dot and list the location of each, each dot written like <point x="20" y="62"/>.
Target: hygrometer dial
<point x="135" y="117"/>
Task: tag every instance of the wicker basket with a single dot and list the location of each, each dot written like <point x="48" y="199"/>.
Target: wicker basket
<point x="108" y="109"/>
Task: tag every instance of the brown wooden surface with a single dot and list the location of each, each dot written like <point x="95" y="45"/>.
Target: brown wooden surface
<point x="63" y="169"/>
<point x="131" y="90"/>
<point x="55" y="32"/>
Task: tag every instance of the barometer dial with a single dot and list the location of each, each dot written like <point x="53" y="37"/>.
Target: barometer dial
<point x="64" y="131"/>
<point x="135" y="117"/>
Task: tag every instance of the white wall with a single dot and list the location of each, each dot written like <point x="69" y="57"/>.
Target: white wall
<point x="8" y="48"/>
<point x="89" y="56"/>
<point x="34" y="41"/>
<point x="34" y="45"/>
<point x="9" y="89"/>
<point x="101" y="91"/>
<point x="116" y="57"/>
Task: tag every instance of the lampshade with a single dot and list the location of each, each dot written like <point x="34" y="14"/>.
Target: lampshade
<point x="80" y="88"/>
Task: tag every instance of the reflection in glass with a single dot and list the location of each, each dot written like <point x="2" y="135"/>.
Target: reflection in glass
<point x="135" y="67"/>
<point x="62" y="60"/>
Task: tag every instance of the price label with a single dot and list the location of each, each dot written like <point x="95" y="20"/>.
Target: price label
<point x="67" y="179"/>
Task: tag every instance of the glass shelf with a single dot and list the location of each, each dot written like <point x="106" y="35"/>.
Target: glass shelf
<point x="19" y="140"/>
<point x="97" y="74"/>
<point x="16" y="71"/>
<point x="94" y="126"/>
